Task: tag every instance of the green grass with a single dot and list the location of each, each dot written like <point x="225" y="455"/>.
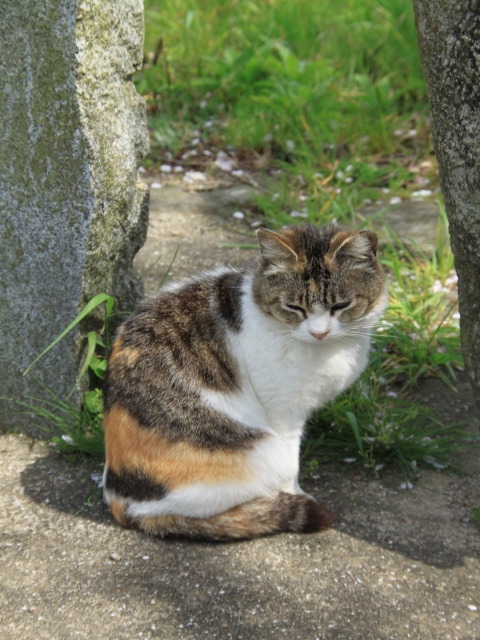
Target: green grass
<point x="420" y="331"/>
<point x="309" y="87"/>
<point x="306" y="72"/>
<point x="476" y="517"/>
<point x="72" y="428"/>
<point x="76" y="427"/>
<point x="370" y="426"/>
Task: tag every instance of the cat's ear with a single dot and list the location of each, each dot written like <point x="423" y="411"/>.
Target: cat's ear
<point x="359" y="248"/>
<point x="277" y="246"/>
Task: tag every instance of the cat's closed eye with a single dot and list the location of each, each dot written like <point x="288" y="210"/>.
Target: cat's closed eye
<point x="340" y="306"/>
<point x="297" y="309"/>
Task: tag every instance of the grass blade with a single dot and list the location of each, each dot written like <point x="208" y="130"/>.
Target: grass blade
<point x="95" y="302"/>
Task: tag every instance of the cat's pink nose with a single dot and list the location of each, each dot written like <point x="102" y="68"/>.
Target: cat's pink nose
<point x="319" y="335"/>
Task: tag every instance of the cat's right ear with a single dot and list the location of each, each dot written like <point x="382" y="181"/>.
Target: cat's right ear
<point x="276" y="246"/>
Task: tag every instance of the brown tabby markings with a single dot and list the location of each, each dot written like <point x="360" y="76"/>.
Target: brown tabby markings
<point x="343" y="240"/>
<point x="263" y="516"/>
<point x="181" y="331"/>
<point x="163" y="434"/>
<point x="171" y="464"/>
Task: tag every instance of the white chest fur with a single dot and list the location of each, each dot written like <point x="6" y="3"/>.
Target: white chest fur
<point x="284" y="379"/>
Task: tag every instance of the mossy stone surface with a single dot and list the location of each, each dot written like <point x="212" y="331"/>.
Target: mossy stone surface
<point x="73" y="215"/>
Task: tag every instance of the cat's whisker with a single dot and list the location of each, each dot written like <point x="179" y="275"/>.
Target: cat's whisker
<point x="360" y="331"/>
<point x="346" y="340"/>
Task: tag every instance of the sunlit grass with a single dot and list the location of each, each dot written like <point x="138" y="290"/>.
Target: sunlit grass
<point x="373" y="427"/>
<point x="307" y="87"/>
<point x="300" y="80"/>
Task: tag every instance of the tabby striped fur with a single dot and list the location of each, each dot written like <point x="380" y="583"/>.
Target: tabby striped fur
<point x="209" y="386"/>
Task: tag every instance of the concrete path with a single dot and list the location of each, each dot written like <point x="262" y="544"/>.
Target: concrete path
<point x="398" y="564"/>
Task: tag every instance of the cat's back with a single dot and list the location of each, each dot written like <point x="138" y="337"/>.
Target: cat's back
<point x="174" y="346"/>
<point x="203" y="306"/>
<point x="185" y="323"/>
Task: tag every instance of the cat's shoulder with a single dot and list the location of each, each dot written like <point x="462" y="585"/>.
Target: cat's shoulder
<point x="220" y="275"/>
<point x="213" y="296"/>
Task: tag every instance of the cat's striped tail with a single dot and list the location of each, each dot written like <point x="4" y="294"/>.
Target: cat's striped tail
<point x="260" y="517"/>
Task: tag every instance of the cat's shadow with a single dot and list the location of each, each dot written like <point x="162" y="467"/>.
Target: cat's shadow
<point x="419" y="524"/>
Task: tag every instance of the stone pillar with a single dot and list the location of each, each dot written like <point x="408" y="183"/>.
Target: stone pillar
<point x="449" y="39"/>
<point x="72" y="211"/>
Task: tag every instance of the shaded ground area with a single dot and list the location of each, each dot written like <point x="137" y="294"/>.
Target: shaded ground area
<point x="398" y="564"/>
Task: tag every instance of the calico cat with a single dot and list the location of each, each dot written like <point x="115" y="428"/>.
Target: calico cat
<point x="210" y="383"/>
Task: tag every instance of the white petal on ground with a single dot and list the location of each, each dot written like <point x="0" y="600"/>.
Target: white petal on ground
<point x="422" y="193"/>
<point x="194" y="176"/>
<point x="224" y="162"/>
<point x="298" y="214"/>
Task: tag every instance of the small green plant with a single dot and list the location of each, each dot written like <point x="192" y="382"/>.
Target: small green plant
<point x="78" y="427"/>
<point x="420" y="331"/>
<point x="93" y="338"/>
<point x="373" y="426"/>
<point x="73" y="428"/>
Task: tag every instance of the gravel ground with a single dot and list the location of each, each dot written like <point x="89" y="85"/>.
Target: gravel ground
<point x="398" y="564"/>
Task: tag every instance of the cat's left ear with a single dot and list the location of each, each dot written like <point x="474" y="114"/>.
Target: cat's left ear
<point x="277" y="245"/>
<point x="360" y="248"/>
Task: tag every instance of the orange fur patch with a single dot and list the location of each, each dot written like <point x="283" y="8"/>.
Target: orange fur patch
<point x="300" y="264"/>
<point x="172" y="464"/>
<point x="116" y="350"/>
<point x="128" y="356"/>
<point x="312" y="285"/>
<point x="117" y="507"/>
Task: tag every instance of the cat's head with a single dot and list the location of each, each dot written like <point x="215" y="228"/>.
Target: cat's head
<point x="323" y="282"/>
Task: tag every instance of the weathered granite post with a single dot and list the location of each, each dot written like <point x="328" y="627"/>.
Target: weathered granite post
<point x="72" y="212"/>
<point x="449" y="38"/>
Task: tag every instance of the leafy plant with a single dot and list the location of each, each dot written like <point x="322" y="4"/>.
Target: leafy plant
<point x="420" y="331"/>
<point x="73" y="428"/>
<point x="78" y="428"/>
<point x="374" y="426"/>
<point x="93" y="338"/>
<point x="80" y="425"/>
